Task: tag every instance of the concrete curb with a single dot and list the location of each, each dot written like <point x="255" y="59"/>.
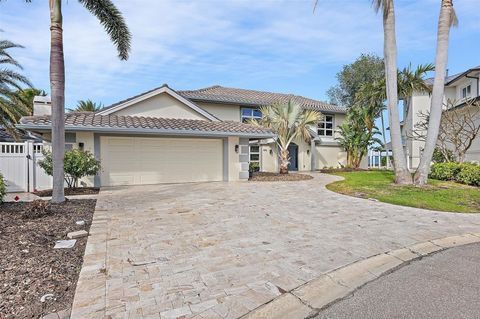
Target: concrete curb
<point x="307" y="300"/>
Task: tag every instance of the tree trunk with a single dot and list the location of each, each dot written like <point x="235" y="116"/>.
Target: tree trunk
<point x="402" y="175"/>
<point x="441" y="58"/>
<point x="284" y="161"/>
<point x="57" y="85"/>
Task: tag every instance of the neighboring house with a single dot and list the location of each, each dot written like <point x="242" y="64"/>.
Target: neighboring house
<point x="458" y="89"/>
<point x="22" y="136"/>
<point x="167" y="136"/>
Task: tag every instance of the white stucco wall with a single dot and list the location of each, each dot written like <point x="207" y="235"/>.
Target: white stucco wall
<point x="225" y="112"/>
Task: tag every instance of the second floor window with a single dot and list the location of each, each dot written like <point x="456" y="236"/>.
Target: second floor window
<point x="248" y="113"/>
<point x="466" y="91"/>
<point x="325" y="126"/>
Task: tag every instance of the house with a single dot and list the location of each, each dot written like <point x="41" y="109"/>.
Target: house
<point x="459" y="89"/>
<point x="167" y="136"/>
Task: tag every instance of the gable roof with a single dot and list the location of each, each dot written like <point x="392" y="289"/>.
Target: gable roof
<point x="145" y="125"/>
<point x="452" y="78"/>
<point x="145" y="95"/>
<point x="220" y="94"/>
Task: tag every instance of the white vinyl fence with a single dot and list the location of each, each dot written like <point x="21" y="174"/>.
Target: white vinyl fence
<point x="19" y="167"/>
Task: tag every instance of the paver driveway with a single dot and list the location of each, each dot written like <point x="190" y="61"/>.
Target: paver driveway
<point x="219" y="250"/>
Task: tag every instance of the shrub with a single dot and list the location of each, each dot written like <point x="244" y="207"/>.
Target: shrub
<point x="36" y="209"/>
<point x="77" y="164"/>
<point x="445" y="171"/>
<point x="3" y="188"/>
<point x="465" y="173"/>
<point x="469" y="174"/>
<point x="439" y="157"/>
<point x="254" y="167"/>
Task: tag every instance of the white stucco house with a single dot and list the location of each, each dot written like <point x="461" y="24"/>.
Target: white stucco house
<point x="458" y="89"/>
<point x="169" y="136"/>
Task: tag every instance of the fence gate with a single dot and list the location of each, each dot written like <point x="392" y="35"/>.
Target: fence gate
<point x="19" y="167"/>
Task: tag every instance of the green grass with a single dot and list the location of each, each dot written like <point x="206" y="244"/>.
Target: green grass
<point x="437" y="195"/>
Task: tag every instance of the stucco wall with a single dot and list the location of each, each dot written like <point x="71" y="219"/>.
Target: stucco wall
<point x="330" y="156"/>
<point x="224" y="112"/>
<point x="161" y="105"/>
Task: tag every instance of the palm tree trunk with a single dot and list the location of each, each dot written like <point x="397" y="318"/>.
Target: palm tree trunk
<point x="283" y="161"/>
<point x="441" y="59"/>
<point x="57" y="85"/>
<point x="402" y="175"/>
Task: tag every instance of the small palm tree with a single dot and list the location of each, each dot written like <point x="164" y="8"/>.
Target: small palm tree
<point x="87" y="106"/>
<point x="11" y="83"/>
<point x="289" y="122"/>
<point x="112" y="20"/>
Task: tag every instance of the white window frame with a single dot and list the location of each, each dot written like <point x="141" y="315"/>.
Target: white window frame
<point x="321" y="131"/>
<point x="250" y="153"/>
<point x="466" y="91"/>
<point x="251" y="116"/>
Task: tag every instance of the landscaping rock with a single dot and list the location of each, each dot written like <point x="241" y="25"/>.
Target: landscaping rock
<point x="80" y="222"/>
<point x="77" y="234"/>
<point x="46" y="297"/>
<point x="65" y="243"/>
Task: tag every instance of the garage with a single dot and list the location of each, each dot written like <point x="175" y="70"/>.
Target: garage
<point x="154" y="160"/>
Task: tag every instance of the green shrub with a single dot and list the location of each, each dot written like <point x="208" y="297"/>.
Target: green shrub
<point x="254" y="167"/>
<point x="465" y="173"/>
<point x="445" y="171"/>
<point x="3" y="188"/>
<point x="469" y="174"/>
<point x="77" y="164"/>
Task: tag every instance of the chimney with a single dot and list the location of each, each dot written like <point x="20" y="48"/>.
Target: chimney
<point x="42" y="105"/>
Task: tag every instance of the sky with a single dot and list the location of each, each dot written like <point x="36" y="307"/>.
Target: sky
<point x="272" y="45"/>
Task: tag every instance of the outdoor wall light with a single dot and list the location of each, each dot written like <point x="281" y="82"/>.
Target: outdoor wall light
<point x="271" y="152"/>
<point x="236" y="148"/>
<point x="308" y="152"/>
<point x="81" y="145"/>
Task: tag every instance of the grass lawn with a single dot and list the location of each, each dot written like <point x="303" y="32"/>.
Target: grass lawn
<point x="437" y="195"/>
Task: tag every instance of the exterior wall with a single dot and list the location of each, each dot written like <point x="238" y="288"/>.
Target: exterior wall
<point x="269" y="158"/>
<point x="232" y="160"/>
<point x="88" y="145"/>
<point x="162" y="105"/>
<point x="225" y="112"/>
<point x="330" y="156"/>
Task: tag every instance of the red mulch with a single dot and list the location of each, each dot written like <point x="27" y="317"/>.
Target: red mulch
<point x="30" y="267"/>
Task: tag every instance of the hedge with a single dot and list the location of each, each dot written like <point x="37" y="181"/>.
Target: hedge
<point x="465" y="173"/>
<point x="3" y="188"/>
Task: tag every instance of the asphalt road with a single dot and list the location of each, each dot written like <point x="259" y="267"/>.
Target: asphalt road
<point x="444" y="285"/>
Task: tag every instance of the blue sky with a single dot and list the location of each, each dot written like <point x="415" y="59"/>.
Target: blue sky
<point x="274" y="45"/>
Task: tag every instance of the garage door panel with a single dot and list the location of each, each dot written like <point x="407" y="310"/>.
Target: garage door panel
<point x="131" y="161"/>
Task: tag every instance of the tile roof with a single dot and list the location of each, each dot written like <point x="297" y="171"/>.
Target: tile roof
<point x="451" y="78"/>
<point x="5" y="136"/>
<point x="92" y="121"/>
<point x="220" y="94"/>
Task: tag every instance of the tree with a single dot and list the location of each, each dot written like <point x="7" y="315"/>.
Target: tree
<point x="366" y="68"/>
<point x="112" y="20"/>
<point x="459" y="127"/>
<point x="87" y="106"/>
<point x="446" y="20"/>
<point x="26" y="97"/>
<point x="11" y="82"/>
<point x="289" y="122"/>
<point x="402" y="175"/>
<point x="77" y="163"/>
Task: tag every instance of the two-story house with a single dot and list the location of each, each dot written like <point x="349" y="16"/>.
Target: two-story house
<point x="458" y="89"/>
<point x="169" y="136"/>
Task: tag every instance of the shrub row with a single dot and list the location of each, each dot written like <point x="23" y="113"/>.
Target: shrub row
<point x="465" y="173"/>
<point x="3" y="188"/>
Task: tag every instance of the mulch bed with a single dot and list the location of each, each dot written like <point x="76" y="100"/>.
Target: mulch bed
<point x="30" y="267"/>
<point x="273" y="177"/>
<point x="339" y="170"/>
<point x="70" y="191"/>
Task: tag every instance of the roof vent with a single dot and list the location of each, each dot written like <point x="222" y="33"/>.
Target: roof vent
<point x="42" y="105"/>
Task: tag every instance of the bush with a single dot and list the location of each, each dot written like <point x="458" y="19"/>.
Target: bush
<point x="36" y="209"/>
<point x="254" y="167"/>
<point x="469" y="174"/>
<point x="439" y="157"/>
<point x="77" y="164"/>
<point x="465" y="173"/>
<point x="3" y="188"/>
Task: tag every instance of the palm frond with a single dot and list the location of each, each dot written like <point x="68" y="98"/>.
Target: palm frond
<point x="113" y="22"/>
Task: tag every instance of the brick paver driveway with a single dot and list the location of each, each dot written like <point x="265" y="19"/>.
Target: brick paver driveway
<point x="219" y="250"/>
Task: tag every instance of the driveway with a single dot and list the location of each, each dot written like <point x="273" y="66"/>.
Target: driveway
<point x="219" y="250"/>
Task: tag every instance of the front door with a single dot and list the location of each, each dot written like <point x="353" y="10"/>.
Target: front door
<point x="293" y="154"/>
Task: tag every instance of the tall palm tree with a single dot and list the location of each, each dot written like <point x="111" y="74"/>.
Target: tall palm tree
<point x="446" y="20"/>
<point x="112" y="20"/>
<point x="87" y="106"/>
<point x="402" y="175"/>
<point x="11" y="83"/>
<point x="289" y="122"/>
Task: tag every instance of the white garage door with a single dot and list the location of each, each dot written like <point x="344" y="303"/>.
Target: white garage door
<point x="138" y="160"/>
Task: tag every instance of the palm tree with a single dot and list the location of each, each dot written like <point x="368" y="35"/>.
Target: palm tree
<point x="446" y="20"/>
<point x="26" y="96"/>
<point x="87" y="106"/>
<point x="112" y="20"/>
<point x="11" y="83"/>
<point x="289" y="122"/>
<point x="402" y="175"/>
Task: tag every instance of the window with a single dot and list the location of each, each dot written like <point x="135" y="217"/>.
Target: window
<point x="325" y="127"/>
<point x="250" y="113"/>
<point x="466" y="91"/>
<point x="254" y="153"/>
